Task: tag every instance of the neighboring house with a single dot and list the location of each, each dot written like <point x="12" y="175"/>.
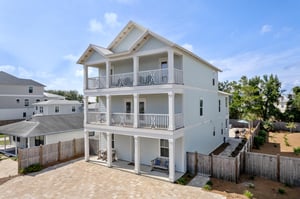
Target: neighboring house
<point x="17" y="96"/>
<point x="156" y="99"/>
<point x="282" y="103"/>
<point x="51" y="96"/>
<point x="46" y="129"/>
<point x="58" y="107"/>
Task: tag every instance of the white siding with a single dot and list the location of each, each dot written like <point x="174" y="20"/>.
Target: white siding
<point x="151" y="44"/>
<point x="66" y="136"/>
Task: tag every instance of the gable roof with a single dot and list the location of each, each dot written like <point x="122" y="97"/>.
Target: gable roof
<point x="44" y="125"/>
<point x="146" y="32"/>
<point x="7" y="79"/>
<point x="51" y="96"/>
<point x="57" y="102"/>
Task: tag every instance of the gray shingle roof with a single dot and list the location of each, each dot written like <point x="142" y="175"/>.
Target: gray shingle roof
<point x="44" y="125"/>
<point x="7" y="79"/>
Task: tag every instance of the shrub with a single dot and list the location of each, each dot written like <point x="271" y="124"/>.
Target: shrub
<point x="248" y="194"/>
<point x="263" y="134"/>
<point x="281" y="191"/>
<point x="209" y="183"/>
<point x="258" y="141"/>
<point x="207" y="187"/>
<point x="286" y="140"/>
<point x="297" y="150"/>
<point x="31" y="168"/>
<point x="181" y="181"/>
<point x="268" y="126"/>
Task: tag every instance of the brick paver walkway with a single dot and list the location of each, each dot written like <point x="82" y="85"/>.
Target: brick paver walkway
<point x="79" y="179"/>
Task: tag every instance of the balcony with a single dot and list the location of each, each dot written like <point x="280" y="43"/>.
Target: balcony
<point x="144" y="78"/>
<point x="152" y="121"/>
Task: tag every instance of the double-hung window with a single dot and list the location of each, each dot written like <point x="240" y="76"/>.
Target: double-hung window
<point x="164" y="148"/>
<point x="201" y="107"/>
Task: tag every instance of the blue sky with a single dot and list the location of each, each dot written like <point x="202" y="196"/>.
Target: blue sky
<point x="42" y="40"/>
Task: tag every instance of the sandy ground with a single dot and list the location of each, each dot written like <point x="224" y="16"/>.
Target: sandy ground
<point x="276" y="144"/>
<point x="8" y="168"/>
<point x="79" y="179"/>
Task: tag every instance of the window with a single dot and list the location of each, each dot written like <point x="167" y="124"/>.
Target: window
<point x="213" y="81"/>
<point x="26" y="102"/>
<point x="226" y="123"/>
<point x="201" y="107"/>
<point x="222" y="131"/>
<point x="18" y="100"/>
<point x="113" y="141"/>
<point x="39" y="140"/>
<point x="24" y="114"/>
<point x="36" y="108"/>
<point x="41" y="109"/>
<point x="164" y="148"/>
<point x="18" y="139"/>
<point x="30" y="89"/>
<point x="142" y="110"/>
<point x="164" y="69"/>
<point x="214" y="131"/>
<point x="219" y="105"/>
<point x="226" y="102"/>
<point x="73" y="109"/>
<point x="56" y="109"/>
<point x="37" y="100"/>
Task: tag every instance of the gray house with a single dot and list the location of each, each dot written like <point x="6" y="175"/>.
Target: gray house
<point x="17" y="96"/>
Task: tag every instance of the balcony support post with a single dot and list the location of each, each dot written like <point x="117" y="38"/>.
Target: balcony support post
<point x="107" y="73"/>
<point x="85" y="77"/>
<point x="135" y="70"/>
<point x="137" y="155"/>
<point x="109" y="150"/>
<point x="171" y="96"/>
<point x="170" y="66"/>
<point x="108" y="109"/>
<point x="136" y="108"/>
<point x="86" y="146"/>
<point x="85" y="109"/>
<point x="171" y="160"/>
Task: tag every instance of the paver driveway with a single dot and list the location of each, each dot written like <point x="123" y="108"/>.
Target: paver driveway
<point x="79" y="179"/>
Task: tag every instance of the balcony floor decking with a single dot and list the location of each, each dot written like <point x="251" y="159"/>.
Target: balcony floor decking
<point x="145" y="169"/>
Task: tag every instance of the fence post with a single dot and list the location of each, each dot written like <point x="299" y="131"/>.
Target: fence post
<point x="41" y="154"/>
<point x="236" y="169"/>
<point x="278" y="167"/>
<point x="74" y="147"/>
<point x="58" y="151"/>
<point x="196" y="163"/>
<point x="19" y="160"/>
<point x="212" y="165"/>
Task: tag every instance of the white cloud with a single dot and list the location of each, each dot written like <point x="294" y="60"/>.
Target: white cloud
<point x="188" y="46"/>
<point x="95" y="26"/>
<point x="7" y="68"/>
<point x="79" y="72"/>
<point x="71" y="58"/>
<point x="111" y="19"/>
<point x="259" y="63"/>
<point x="24" y="73"/>
<point x="265" y="28"/>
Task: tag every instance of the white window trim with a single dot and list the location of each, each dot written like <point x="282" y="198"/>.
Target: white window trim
<point x="162" y="59"/>
<point x="159" y="147"/>
<point x="131" y="104"/>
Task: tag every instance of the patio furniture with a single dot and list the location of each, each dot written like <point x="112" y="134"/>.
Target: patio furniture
<point x="102" y="155"/>
<point x="160" y="164"/>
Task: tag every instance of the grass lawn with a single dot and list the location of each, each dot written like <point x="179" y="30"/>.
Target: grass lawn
<point x="2" y="136"/>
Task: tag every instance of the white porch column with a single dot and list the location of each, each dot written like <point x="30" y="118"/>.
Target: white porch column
<point x="28" y="142"/>
<point x="172" y="160"/>
<point x="85" y="110"/>
<point x="136" y="104"/>
<point x="4" y="142"/>
<point x="108" y="149"/>
<point x="135" y="70"/>
<point x="170" y="66"/>
<point x="108" y="109"/>
<point x="171" y="110"/>
<point x="85" y="77"/>
<point x="86" y="146"/>
<point x="137" y="155"/>
<point x="107" y="73"/>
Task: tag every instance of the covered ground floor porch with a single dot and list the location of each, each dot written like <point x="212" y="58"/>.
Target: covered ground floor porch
<point x="145" y="170"/>
<point x="139" y="153"/>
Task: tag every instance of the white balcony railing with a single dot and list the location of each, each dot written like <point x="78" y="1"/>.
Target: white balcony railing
<point x="122" y="119"/>
<point x="96" y="117"/>
<point x="178" y="76"/>
<point x="153" y="77"/>
<point x="121" y="80"/>
<point x="96" y="82"/>
<point x="179" y="120"/>
<point x="159" y="121"/>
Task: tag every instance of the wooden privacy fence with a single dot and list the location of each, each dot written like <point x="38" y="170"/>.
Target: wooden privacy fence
<point x="51" y="153"/>
<point x="222" y="167"/>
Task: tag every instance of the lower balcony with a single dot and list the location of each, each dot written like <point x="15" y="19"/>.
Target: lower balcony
<point x="150" y="121"/>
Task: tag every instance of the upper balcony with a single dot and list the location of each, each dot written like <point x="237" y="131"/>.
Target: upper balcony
<point x="162" y="68"/>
